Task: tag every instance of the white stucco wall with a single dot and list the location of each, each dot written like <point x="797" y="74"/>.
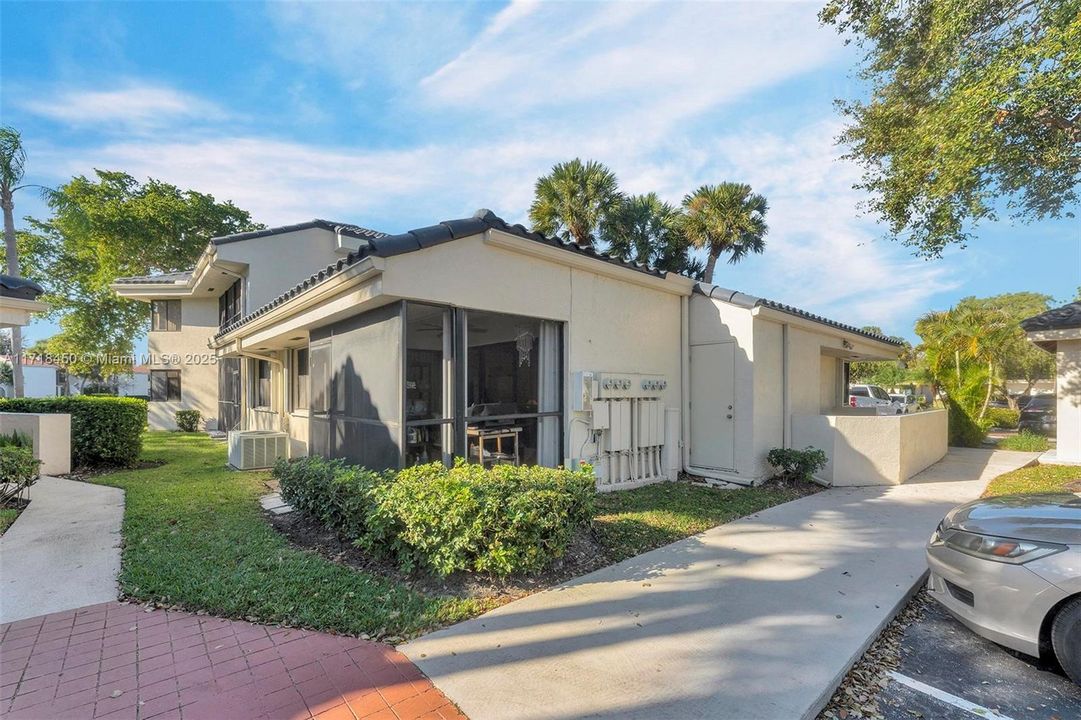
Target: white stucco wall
<point x="1068" y="392"/>
<point x="873" y="449"/>
<point x="198" y="369"/>
<point x="613" y="325"/>
<point x="50" y="434"/>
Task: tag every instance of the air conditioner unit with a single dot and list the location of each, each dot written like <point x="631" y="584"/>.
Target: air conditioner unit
<point x="254" y="449"/>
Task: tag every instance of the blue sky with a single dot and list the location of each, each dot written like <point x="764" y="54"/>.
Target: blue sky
<point x="395" y="116"/>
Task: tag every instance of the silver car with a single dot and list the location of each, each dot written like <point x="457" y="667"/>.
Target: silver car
<point x="1010" y="569"/>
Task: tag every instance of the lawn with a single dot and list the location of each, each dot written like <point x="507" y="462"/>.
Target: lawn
<point x="195" y="536"/>
<point x="1035" y="479"/>
<point x="7" y="516"/>
<point x="1024" y="441"/>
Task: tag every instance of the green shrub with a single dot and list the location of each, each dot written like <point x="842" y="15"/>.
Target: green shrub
<point x="964" y="429"/>
<point x="18" y="470"/>
<point x="188" y="420"/>
<point x="797" y="465"/>
<point x="105" y="431"/>
<point x="500" y="521"/>
<point x="1003" y="418"/>
<point x="1025" y="441"/>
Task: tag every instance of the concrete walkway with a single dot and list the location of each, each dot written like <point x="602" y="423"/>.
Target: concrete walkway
<point x="759" y="618"/>
<point x="63" y="552"/>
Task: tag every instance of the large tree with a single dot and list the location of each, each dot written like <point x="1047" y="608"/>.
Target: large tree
<point x="647" y="230"/>
<point x="974" y="107"/>
<point x="727" y="218"/>
<point x="108" y="226"/>
<point x="1018" y="358"/>
<point x="575" y="201"/>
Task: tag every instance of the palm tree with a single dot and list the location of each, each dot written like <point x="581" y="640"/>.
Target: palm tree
<point x="575" y="200"/>
<point x="12" y="164"/>
<point x="725" y="218"/>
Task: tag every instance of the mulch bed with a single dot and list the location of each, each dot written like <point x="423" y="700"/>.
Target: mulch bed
<point x="584" y="554"/>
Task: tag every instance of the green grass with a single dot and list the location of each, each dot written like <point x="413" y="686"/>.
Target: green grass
<point x="1034" y="479"/>
<point x="1024" y="441"/>
<point x="7" y="516"/>
<point x="195" y="536"/>
<point x="630" y="522"/>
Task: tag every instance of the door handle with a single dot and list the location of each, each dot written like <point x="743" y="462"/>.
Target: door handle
<point x="729" y="416"/>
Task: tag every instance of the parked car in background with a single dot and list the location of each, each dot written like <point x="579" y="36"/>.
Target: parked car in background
<point x="1010" y="569"/>
<point x="1038" y="415"/>
<point x="872" y="396"/>
<point x="907" y="403"/>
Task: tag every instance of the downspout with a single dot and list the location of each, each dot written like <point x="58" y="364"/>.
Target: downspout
<point x="685" y="380"/>
<point x="786" y="407"/>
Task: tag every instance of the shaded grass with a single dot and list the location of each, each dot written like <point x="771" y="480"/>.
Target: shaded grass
<point x="630" y="522"/>
<point x="195" y="536"/>
<point x="1035" y="479"/>
<point x="7" y="516"/>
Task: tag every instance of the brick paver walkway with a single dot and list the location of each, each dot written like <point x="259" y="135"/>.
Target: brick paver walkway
<point x="118" y="661"/>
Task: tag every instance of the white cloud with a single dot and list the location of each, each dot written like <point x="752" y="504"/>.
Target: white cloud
<point x="129" y="106"/>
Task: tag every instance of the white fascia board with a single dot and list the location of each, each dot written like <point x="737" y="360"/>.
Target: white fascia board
<point x="672" y="283"/>
<point x="1044" y="336"/>
<point x="363" y="270"/>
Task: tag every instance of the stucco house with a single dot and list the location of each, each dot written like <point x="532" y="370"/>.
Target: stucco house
<point x="479" y="339"/>
<point x="1058" y="331"/>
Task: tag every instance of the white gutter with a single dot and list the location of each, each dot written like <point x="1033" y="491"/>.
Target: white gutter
<point x="786" y="405"/>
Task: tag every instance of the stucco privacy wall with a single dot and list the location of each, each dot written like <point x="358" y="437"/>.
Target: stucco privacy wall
<point x="866" y="449"/>
<point x="613" y="325"/>
<point x="1068" y="391"/>
<point x="50" y="434"/>
<point x="198" y="371"/>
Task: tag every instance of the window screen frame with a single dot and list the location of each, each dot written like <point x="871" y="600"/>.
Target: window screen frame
<point x="169" y="376"/>
<point x="168" y="320"/>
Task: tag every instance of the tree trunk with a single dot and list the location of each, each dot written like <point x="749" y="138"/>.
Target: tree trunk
<point x="990" y="387"/>
<point x="13" y="269"/>
<point x="711" y="262"/>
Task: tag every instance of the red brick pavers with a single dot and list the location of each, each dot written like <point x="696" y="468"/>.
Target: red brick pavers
<point x="120" y="662"/>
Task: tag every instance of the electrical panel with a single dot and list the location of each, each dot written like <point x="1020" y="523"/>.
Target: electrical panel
<point x="619" y="431"/>
<point x="602" y="417"/>
<point x="628" y="385"/>
<point x="582" y="391"/>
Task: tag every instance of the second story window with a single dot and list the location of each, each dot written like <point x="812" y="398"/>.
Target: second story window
<point x="230" y="304"/>
<point x="165" y="316"/>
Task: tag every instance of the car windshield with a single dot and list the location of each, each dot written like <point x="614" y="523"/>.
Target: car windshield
<point x="879" y="393"/>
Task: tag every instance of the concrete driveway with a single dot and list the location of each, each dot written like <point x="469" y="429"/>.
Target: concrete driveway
<point x="759" y="618"/>
<point x="63" y="551"/>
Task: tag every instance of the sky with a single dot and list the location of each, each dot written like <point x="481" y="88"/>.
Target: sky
<point x="396" y="116"/>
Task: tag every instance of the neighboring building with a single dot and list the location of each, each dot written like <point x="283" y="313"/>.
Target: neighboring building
<point x="40" y="379"/>
<point x="234" y="275"/>
<point x="1058" y="331"/>
<point x="479" y="339"/>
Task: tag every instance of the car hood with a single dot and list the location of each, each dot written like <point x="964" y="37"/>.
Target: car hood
<point x="1047" y="518"/>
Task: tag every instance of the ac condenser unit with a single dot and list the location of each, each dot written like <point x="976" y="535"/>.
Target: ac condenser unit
<point x="254" y="449"/>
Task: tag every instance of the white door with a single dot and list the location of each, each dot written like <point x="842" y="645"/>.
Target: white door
<point x="713" y="406"/>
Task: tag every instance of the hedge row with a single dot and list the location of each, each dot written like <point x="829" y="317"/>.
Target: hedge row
<point x="500" y="521"/>
<point x="105" y="431"/>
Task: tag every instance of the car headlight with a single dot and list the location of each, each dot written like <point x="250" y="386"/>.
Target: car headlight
<point x="998" y="549"/>
<point x="936" y="536"/>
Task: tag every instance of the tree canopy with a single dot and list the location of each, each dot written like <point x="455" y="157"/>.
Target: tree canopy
<point x="575" y="200"/>
<point x="974" y="107"/>
<point x="111" y="225"/>
<point x="728" y="218"/>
